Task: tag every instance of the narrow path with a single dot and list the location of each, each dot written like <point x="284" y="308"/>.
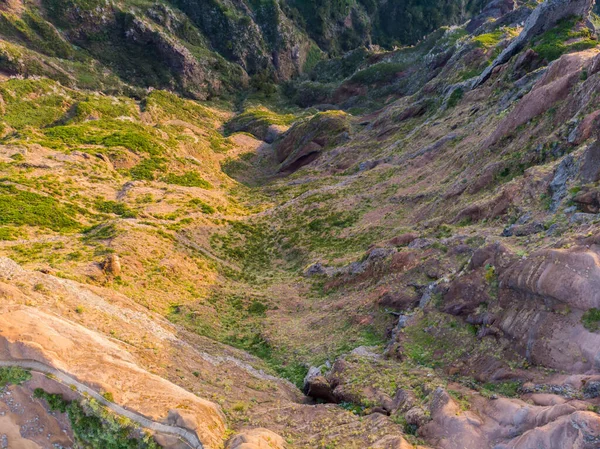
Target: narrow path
<point x="190" y="438"/>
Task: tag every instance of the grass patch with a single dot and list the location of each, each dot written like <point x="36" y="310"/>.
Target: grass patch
<point x="146" y="169"/>
<point x="508" y="389"/>
<point x="188" y="179"/>
<point x="555" y="42"/>
<point x="383" y="72"/>
<point x="26" y="208"/>
<point x="204" y="207"/>
<point x="115" y="207"/>
<point x="455" y="97"/>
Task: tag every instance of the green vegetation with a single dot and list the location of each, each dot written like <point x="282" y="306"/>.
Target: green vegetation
<point x="509" y="389"/>
<point x="248" y="244"/>
<point x="188" y="179"/>
<point x="438" y="340"/>
<point x="203" y="206"/>
<point x="13" y="375"/>
<point x="114" y="207"/>
<point x="455" y="97"/>
<point x="35" y="103"/>
<point x="241" y="326"/>
<point x="591" y="320"/>
<point x="491" y="40"/>
<point x="383" y="72"/>
<point x="419" y="18"/>
<point x="147" y="168"/>
<point x="563" y="38"/>
<point x="313" y="57"/>
<point x="35" y="32"/>
<point x="95" y="106"/>
<point x="108" y="133"/>
<point x="96" y="428"/>
<point x="27" y="208"/>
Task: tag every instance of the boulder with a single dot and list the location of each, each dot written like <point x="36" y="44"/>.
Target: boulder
<point x="580" y="430"/>
<point x="392" y="442"/>
<point x="317" y="386"/>
<point x="566" y="171"/>
<point x="571" y="277"/>
<point x="399" y="300"/>
<point x="588" y="201"/>
<point x="112" y="265"/>
<point x="416" y="416"/>
<point x="553" y="87"/>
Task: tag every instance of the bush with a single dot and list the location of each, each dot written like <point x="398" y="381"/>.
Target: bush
<point x="455" y="97"/>
<point x="591" y="320"/>
<point x="13" y="375"/>
<point x="145" y="169"/>
<point x="204" y="207"/>
<point x="114" y="207"/>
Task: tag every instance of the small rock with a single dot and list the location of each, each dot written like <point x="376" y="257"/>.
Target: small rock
<point x="420" y="243"/>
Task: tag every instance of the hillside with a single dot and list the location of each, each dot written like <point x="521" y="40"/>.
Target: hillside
<point x="294" y="224"/>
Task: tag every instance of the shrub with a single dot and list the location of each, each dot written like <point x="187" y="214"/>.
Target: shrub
<point x="591" y="320"/>
<point x="114" y="207"/>
<point x="188" y="179"/>
<point x="455" y="97"/>
<point x="13" y="375"/>
<point x="145" y="169"/>
<point x="204" y="207"/>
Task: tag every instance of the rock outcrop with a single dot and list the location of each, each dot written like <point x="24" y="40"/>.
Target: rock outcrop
<point x="256" y="439"/>
<point x="306" y="140"/>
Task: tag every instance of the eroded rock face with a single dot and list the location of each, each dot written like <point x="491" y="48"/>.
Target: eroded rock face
<point x="553" y="87"/>
<point x="544" y="17"/>
<point x="27" y="333"/>
<point x="494" y="424"/>
<point x="256" y="439"/>
<point x="580" y="430"/>
<point x="571" y="277"/>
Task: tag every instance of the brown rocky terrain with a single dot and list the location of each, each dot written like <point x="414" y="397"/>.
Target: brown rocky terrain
<point x="411" y="261"/>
